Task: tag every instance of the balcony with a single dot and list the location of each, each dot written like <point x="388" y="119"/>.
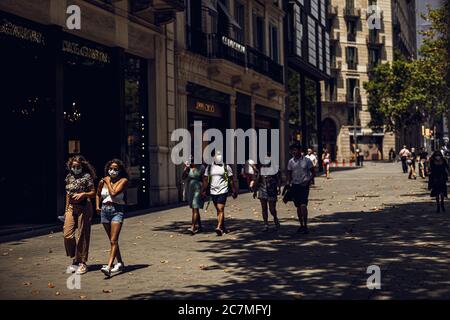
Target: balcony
<point x="332" y="11"/>
<point x="352" y="13"/>
<point x="352" y="65"/>
<point x="335" y="66"/>
<point x="263" y="64"/>
<point x="334" y="38"/>
<point x="375" y="40"/>
<point x="216" y="46"/>
<point x="161" y="11"/>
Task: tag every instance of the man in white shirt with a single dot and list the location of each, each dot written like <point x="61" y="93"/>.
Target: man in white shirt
<point x="219" y="177"/>
<point x="311" y="156"/>
<point x="404" y="154"/>
<point x="300" y="171"/>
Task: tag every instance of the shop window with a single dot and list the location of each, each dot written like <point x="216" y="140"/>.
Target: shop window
<point x="136" y="157"/>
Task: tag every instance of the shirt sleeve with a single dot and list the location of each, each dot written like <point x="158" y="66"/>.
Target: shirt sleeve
<point x="289" y="166"/>
<point x="230" y="171"/>
<point x="206" y="171"/>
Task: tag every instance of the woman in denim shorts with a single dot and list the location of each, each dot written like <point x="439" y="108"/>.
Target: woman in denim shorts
<point x="110" y="204"/>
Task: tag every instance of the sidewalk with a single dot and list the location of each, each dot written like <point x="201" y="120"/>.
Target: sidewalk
<point x="373" y="215"/>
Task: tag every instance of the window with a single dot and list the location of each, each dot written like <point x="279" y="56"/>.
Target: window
<point x="274" y="43"/>
<point x="320" y="47"/>
<point x="223" y="21"/>
<point x="312" y="41"/>
<point x="349" y="3"/>
<point x="374" y="56"/>
<point x="315" y="8"/>
<point x="298" y="30"/>
<point x="327" y="53"/>
<point x="352" y="58"/>
<point x="351" y="31"/>
<point x="258" y="32"/>
<point x="351" y="85"/>
<point x="239" y="13"/>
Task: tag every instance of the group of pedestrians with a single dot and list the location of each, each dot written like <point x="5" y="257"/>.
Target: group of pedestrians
<point x="435" y="167"/>
<point x="110" y="201"/>
<point x="206" y="183"/>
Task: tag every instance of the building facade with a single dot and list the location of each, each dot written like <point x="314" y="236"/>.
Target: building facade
<point x="364" y="33"/>
<point x="230" y="68"/>
<point x="308" y="59"/>
<point x="104" y="90"/>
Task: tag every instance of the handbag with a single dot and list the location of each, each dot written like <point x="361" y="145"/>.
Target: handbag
<point x="287" y="194"/>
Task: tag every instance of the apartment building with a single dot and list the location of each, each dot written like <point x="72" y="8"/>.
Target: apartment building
<point x="103" y="90"/>
<point x="363" y="34"/>
<point x="230" y="67"/>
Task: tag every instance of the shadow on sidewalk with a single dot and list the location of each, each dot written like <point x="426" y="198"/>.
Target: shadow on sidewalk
<point x="410" y="243"/>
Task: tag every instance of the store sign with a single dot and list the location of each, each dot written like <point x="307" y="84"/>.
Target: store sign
<point x="206" y="107"/>
<point x="85" y="52"/>
<point x="21" y="32"/>
<point x="233" y="44"/>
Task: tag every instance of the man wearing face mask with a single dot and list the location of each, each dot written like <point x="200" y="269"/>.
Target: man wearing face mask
<point x="218" y="178"/>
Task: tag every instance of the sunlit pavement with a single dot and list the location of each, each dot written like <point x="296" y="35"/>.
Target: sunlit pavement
<point x="360" y="217"/>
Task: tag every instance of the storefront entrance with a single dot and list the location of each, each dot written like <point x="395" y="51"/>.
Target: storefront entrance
<point x="27" y="132"/>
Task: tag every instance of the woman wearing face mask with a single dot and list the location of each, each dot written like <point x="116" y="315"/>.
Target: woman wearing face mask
<point x="438" y="177"/>
<point x="110" y="203"/>
<point x="193" y="173"/>
<point x="268" y="188"/>
<point x="78" y="213"/>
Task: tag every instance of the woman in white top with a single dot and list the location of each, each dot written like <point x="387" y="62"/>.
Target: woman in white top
<point x="110" y="204"/>
<point x="326" y="158"/>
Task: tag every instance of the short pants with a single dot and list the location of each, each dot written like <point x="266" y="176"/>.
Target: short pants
<point x="112" y="213"/>
<point x="219" y="198"/>
<point x="300" y="194"/>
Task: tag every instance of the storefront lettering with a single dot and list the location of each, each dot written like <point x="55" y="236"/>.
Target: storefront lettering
<point x="205" y="107"/>
<point x="233" y="44"/>
<point x="21" y="32"/>
<point x="86" y="52"/>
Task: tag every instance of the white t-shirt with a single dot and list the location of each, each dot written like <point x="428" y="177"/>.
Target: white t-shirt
<point x="218" y="183"/>
<point x="300" y="169"/>
<point x="313" y="159"/>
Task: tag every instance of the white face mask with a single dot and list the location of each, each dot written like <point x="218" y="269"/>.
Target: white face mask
<point x="76" y="171"/>
<point x="218" y="159"/>
<point x="113" y="172"/>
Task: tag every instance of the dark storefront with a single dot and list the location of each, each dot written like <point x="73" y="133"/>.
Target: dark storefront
<point x="209" y="106"/>
<point x="64" y="95"/>
<point x="244" y="122"/>
<point x="266" y="118"/>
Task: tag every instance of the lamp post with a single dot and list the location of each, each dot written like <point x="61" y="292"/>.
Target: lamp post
<point x="354" y="117"/>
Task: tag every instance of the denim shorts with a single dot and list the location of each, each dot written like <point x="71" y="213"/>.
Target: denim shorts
<point x="112" y="213"/>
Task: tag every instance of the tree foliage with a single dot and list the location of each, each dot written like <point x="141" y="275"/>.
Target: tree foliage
<point x="407" y="91"/>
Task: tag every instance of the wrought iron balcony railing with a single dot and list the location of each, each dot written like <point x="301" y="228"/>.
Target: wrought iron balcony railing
<point x="375" y="40"/>
<point x="352" y="13"/>
<point x="264" y="64"/>
<point x="332" y="11"/>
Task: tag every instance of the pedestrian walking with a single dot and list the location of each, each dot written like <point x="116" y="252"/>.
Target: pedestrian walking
<point x="358" y="157"/>
<point x="218" y="180"/>
<point x="193" y="174"/>
<point x="392" y="155"/>
<point x="300" y="171"/>
<point x="412" y="169"/>
<point x="423" y="156"/>
<point x="404" y="154"/>
<point x="414" y="157"/>
<point x="311" y="156"/>
<point x="267" y="189"/>
<point x="438" y="176"/>
<point x="110" y="204"/>
<point x="78" y="212"/>
<point x="326" y="159"/>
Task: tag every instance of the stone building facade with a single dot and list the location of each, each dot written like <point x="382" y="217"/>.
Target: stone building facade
<point x="363" y="33"/>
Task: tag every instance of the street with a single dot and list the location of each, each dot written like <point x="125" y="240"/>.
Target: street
<point x="360" y="217"/>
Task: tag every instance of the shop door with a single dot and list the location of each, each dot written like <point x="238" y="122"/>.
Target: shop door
<point x="27" y="174"/>
<point x="92" y="119"/>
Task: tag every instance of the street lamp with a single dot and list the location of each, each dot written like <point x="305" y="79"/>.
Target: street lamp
<point x="354" y="117"/>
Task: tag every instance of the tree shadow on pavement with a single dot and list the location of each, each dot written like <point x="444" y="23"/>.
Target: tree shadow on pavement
<point x="409" y="242"/>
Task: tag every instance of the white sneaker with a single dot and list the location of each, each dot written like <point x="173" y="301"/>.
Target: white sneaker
<point x="72" y="268"/>
<point x="106" y="270"/>
<point x="82" y="269"/>
<point x="117" y="267"/>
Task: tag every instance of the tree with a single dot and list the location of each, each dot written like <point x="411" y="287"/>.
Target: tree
<point x="407" y="91"/>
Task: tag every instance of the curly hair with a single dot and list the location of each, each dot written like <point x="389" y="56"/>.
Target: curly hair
<point x="85" y="165"/>
<point x="123" y="173"/>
